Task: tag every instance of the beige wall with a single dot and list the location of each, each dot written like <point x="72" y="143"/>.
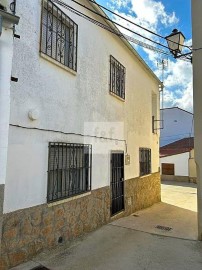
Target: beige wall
<point x="197" y="67"/>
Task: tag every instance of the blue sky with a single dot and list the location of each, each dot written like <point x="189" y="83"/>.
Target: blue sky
<point x="161" y="16"/>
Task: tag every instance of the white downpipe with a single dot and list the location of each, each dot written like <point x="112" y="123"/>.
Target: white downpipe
<point x="6" y="54"/>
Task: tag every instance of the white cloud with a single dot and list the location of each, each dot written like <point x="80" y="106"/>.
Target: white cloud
<point x="178" y="73"/>
<point x="153" y="12"/>
<point x="178" y="85"/>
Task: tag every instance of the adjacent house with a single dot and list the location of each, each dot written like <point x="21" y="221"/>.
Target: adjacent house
<point x="7" y="22"/>
<point x="177" y="124"/>
<point x="82" y="149"/>
<point x="177" y="161"/>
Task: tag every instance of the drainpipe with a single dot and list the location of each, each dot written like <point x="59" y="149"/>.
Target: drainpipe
<point x="7" y="20"/>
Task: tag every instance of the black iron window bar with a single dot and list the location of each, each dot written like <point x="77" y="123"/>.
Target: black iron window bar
<point x="145" y="161"/>
<point x="69" y="170"/>
<point x="59" y="35"/>
<point x="117" y="78"/>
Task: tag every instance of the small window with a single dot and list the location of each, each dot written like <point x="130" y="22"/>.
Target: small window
<point x="117" y="78"/>
<point x="58" y="35"/>
<point x="69" y="170"/>
<point x="145" y="161"/>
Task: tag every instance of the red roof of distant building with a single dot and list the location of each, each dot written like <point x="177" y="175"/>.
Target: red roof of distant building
<point x="178" y="147"/>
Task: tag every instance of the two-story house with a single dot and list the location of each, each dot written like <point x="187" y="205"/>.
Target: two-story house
<point x="81" y="147"/>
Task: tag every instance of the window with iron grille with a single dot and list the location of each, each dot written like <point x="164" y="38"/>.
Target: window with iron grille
<point x="145" y="161"/>
<point x="69" y="170"/>
<point x="58" y="35"/>
<point x="117" y="78"/>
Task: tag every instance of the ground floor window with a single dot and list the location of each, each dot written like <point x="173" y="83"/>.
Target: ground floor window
<point x="69" y="170"/>
<point x="145" y="161"/>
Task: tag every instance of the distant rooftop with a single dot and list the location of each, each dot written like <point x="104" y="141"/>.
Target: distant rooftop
<point x="178" y="147"/>
<point x="170" y="108"/>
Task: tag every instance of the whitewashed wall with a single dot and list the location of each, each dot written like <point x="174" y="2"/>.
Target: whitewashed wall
<point x="180" y="161"/>
<point x="177" y="125"/>
<point x="66" y="102"/>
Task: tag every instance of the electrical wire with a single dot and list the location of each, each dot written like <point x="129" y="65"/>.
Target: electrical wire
<point x="138" y="42"/>
<point x="127" y="20"/>
<point x="108" y="19"/>
<point x="71" y="133"/>
<point x="116" y="32"/>
<point x="143" y="28"/>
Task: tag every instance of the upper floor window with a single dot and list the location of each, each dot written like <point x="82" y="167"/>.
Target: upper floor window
<point x="117" y="78"/>
<point x="69" y="170"/>
<point x="58" y="35"/>
<point x="145" y="161"/>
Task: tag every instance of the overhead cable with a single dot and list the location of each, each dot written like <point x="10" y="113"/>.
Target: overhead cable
<point x="117" y="32"/>
<point x="108" y="19"/>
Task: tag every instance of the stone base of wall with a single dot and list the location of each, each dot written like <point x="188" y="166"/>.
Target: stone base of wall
<point x="29" y="231"/>
<point x="193" y="180"/>
<point x="1" y="212"/>
<point x="140" y="193"/>
<point x="174" y="178"/>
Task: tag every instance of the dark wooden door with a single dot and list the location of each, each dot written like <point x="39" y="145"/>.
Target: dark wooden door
<point x="168" y="169"/>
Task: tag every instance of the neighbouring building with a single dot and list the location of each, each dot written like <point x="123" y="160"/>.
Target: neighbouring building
<point x="177" y="124"/>
<point x="7" y="22"/>
<point x="197" y="82"/>
<point x="177" y="161"/>
<point x="82" y="148"/>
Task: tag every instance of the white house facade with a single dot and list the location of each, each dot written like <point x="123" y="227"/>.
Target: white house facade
<point x="177" y="161"/>
<point x="180" y="165"/>
<point x="81" y="149"/>
<point x="177" y="124"/>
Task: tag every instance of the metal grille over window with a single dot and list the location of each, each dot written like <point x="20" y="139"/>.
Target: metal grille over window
<point x="58" y="35"/>
<point x="117" y="78"/>
<point x="69" y="170"/>
<point x="145" y="161"/>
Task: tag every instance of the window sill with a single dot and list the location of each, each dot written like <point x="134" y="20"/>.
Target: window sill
<point x="119" y="98"/>
<point x="51" y="60"/>
<point x="69" y="199"/>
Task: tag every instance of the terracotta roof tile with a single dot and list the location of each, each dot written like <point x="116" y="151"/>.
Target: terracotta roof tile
<point x="178" y="147"/>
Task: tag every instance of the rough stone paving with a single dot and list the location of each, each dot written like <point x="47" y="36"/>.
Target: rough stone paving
<point x="29" y="231"/>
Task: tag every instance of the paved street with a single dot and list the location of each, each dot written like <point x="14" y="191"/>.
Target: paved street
<point x="180" y="194"/>
<point x="177" y="211"/>
<point x="116" y="248"/>
<point x="134" y="242"/>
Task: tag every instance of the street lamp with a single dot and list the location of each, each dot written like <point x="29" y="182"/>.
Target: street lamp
<point x="175" y="44"/>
